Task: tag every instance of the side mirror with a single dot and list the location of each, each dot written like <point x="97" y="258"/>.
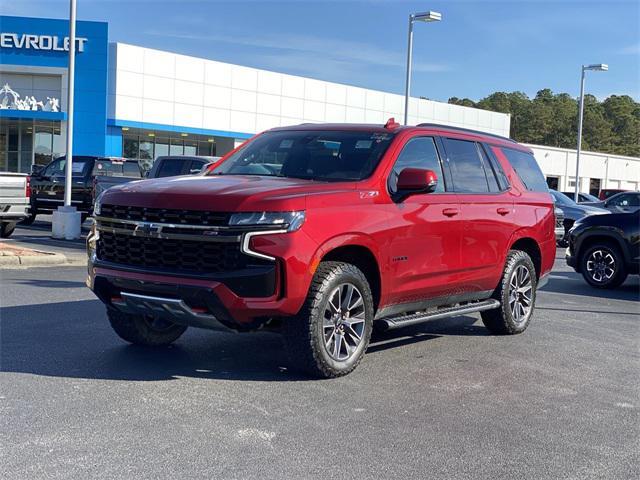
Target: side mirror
<point x="416" y="180"/>
<point x="36" y="170"/>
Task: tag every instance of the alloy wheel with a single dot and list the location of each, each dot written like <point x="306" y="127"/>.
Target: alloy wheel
<point x="520" y="294"/>
<point x="601" y="265"/>
<point x="343" y="321"/>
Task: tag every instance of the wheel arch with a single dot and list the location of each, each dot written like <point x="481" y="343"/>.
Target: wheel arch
<point x="360" y="255"/>
<point x="596" y="237"/>
<point x="531" y="248"/>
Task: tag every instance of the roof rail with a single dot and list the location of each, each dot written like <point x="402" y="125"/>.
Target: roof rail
<point x="467" y="130"/>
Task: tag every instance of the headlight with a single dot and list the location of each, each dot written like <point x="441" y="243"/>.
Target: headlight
<point x="291" y="221"/>
<point x="97" y="205"/>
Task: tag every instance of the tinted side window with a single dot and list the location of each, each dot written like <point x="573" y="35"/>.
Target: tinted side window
<point x="131" y="169"/>
<point x="494" y="164"/>
<point x="170" y="167"/>
<point x="626" y="200"/>
<point x="196" y="166"/>
<point x="527" y="169"/>
<point x="488" y="170"/>
<point x="466" y="166"/>
<point x="419" y="152"/>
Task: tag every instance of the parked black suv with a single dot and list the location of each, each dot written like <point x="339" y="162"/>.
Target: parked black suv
<point x="605" y="248"/>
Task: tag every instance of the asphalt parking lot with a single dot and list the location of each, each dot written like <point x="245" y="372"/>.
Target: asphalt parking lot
<point x="440" y="400"/>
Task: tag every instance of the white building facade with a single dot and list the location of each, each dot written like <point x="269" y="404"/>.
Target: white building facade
<point x="597" y="170"/>
<point x="156" y="96"/>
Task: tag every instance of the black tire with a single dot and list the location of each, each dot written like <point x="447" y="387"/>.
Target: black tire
<point x="141" y="330"/>
<point x="593" y="274"/>
<point x="6" y="229"/>
<point x="307" y="336"/>
<point x="30" y="219"/>
<point x="503" y="320"/>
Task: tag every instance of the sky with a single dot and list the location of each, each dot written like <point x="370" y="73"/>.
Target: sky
<point x="479" y="46"/>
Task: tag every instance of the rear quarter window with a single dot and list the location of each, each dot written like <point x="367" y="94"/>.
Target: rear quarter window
<point x="528" y="170"/>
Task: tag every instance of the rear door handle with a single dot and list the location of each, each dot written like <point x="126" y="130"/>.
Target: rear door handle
<point x="503" y="211"/>
<point x="450" y="212"/>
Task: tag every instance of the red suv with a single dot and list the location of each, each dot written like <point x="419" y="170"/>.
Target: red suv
<point x="325" y="231"/>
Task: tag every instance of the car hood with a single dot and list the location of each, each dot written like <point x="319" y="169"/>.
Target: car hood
<point x="228" y="193"/>
<point x="592" y="209"/>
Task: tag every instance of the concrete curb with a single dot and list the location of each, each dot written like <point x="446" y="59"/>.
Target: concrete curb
<point x="47" y="260"/>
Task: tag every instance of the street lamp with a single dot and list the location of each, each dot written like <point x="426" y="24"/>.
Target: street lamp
<point x="66" y="222"/>
<point x="598" y="67"/>
<point x="415" y="17"/>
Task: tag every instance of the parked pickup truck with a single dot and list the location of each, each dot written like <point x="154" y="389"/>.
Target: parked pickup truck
<point x="14" y="201"/>
<point x="108" y="172"/>
<point x="47" y="185"/>
<point x="164" y="166"/>
<point x="174" y="165"/>
<point x="322" y="231"/>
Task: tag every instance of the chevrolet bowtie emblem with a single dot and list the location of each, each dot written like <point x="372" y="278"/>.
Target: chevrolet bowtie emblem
<point x="147" y="229"/>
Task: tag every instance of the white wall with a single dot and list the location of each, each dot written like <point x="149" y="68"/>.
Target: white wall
<point x="614" y="171"/>
<point x="153" y="86"/>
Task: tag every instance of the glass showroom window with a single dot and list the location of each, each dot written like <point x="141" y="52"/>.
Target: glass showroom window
<point x="130" y="146"/>
<point x="206" y="148"/>
<point x="146" y="149"/>
<point x="190" y="147"/>
<point x="48" y="143"/>
<point x="162" y="146"/>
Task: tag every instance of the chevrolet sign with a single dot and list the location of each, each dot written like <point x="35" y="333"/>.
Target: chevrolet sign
<point x="39" y="42"/>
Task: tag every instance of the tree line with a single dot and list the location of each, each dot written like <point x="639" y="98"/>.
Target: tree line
<point x="610" y="126"/>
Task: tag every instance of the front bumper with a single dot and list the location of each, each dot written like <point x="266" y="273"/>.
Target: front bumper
<point x="560" y="233"/>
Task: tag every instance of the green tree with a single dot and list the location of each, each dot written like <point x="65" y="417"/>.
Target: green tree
<point x="611" y="126"/>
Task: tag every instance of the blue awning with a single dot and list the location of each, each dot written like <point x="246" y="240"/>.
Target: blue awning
<point x="32" y="114"/>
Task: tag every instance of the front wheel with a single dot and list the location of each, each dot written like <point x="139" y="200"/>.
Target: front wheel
<point x="331" y="333"/>
<point x="517" y="296"/>
<point x="602" y="266"/>
<point x="144" y="329"/>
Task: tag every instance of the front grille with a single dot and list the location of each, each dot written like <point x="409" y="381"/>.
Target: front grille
<point x="559" y="222"/>
<point x="179" y="256"/>
<point x="165" y="215"/>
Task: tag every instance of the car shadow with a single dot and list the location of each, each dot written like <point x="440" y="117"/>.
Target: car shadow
<point x="571" y="283"/>
<point x="430" y="330"/>
<point x="32" y="282"/>
<point x="74" y="340"/>
<point x="46" y="241"/>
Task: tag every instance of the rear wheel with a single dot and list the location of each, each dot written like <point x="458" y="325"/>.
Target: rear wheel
<point x="602" y="266"/>
<point x="517" y="296"/>
<point x="6" y="229"/>
<point x="144" y="329"/>
<point x="30" y="219"/>
<point x="331" y="333"/>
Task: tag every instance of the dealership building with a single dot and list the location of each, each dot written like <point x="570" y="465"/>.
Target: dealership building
<point x="141" y="103"/>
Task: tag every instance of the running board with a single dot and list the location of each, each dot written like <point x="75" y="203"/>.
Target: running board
<point x="400" y="321"/>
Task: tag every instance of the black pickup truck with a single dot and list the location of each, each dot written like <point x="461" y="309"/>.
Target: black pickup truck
<point x="47" y="183"/>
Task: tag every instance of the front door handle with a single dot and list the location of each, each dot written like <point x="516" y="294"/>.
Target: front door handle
<point x="503" y="211"/>
<point x="450" y="212"/>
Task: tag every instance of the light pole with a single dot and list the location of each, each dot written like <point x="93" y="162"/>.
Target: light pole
<point x="67" y="220"/>
<point x="415" y="17"/>
<point x="598" y="67"/>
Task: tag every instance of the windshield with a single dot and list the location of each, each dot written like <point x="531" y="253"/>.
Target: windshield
<point x="561" y="198"/>
<point x="315" y="155"/>
<point x="58" y="166"/>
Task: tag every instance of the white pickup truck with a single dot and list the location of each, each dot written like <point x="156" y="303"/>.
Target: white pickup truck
<point x="14" y="201"/>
